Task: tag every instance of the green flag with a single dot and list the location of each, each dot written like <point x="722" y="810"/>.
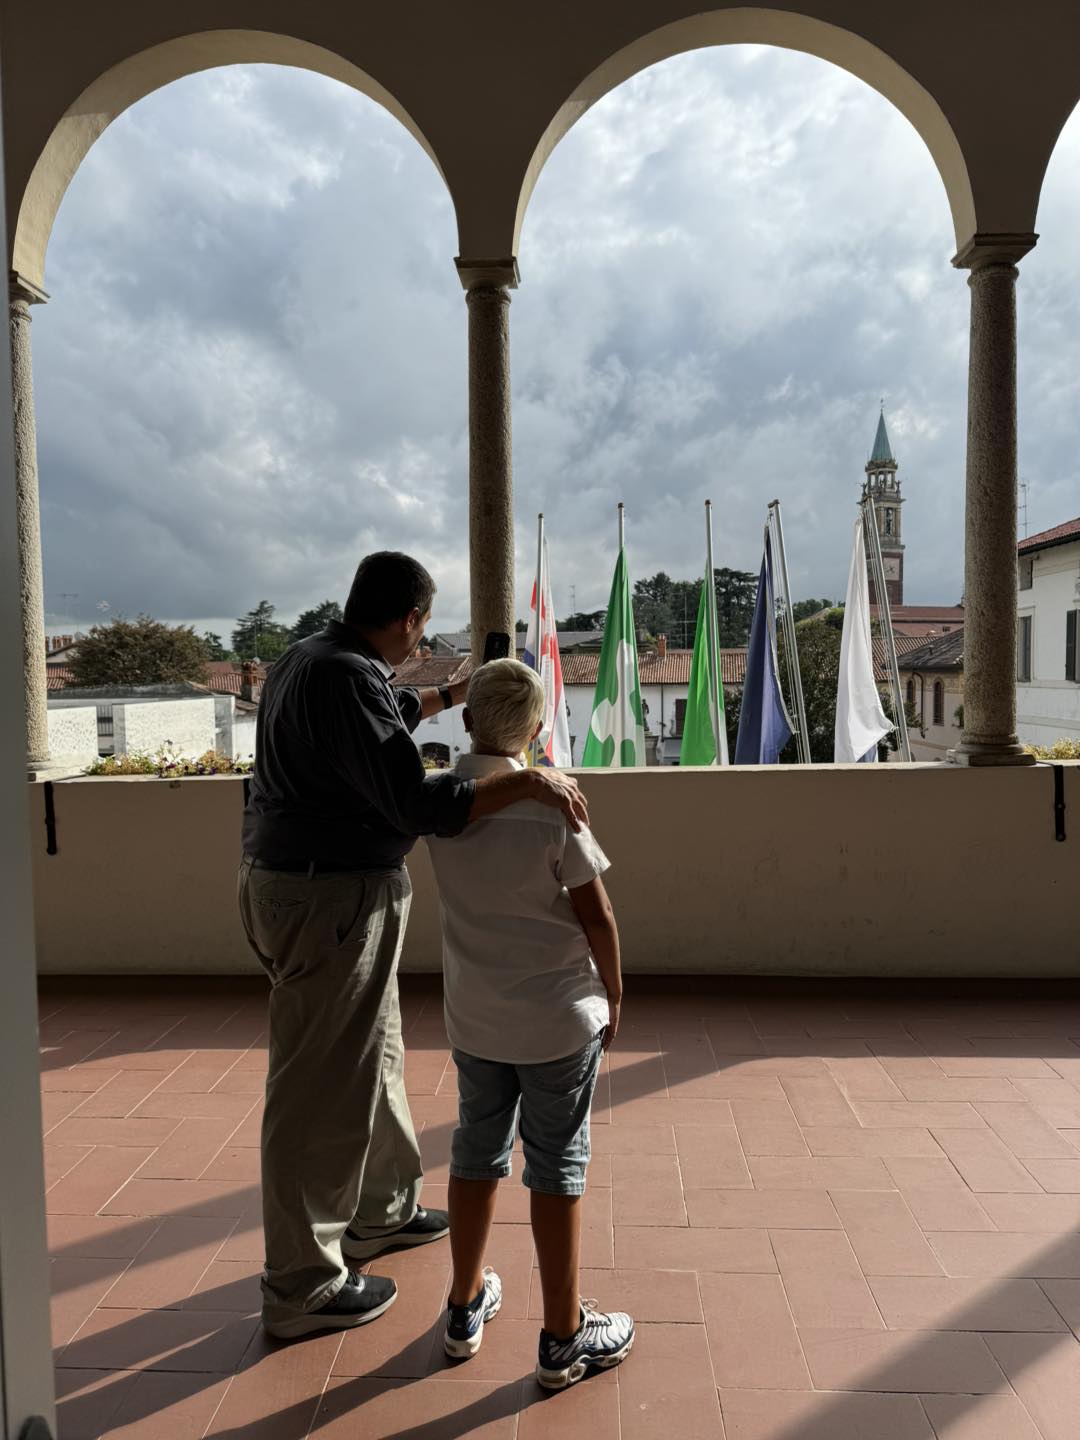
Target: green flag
<point x="617" y="731"/>
<point x="698" y="739"/>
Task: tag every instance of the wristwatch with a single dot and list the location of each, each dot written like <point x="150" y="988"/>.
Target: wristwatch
<point x="447" y="698"/>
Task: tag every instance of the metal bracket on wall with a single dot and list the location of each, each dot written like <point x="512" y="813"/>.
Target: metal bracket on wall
<point x="35" y="1429"/>
<point x="1059" y="802"/>
<point x="50" y="818"/>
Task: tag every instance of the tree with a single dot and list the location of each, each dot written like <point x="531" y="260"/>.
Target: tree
<point x="736" y="596"/>
<point x="215" y="650"/>
<point x="142" y="651"/>
<point x="583" y="620"/>
<point x="819" y="666"/>
<point x="803" y="609"/>
<point x="653" y="611"/>
<point x="259" y="635"/>
<point x="310" y="622"/>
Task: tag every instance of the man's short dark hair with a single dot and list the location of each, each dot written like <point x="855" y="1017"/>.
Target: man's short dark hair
<point x="385" y="588"/>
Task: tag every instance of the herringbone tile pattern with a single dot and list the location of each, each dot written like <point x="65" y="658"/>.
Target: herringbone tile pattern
<point x="836" y="1211"/>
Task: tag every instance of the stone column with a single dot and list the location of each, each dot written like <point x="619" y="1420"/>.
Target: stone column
<point x="989" y="735"/>
<point x="491" y="475"/>
<point x="22" y="295"/>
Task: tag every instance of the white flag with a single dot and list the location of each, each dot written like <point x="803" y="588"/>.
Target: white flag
<point x="860" y="720"/>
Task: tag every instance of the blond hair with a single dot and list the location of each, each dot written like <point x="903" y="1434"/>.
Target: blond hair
<point x="506" y="702"/>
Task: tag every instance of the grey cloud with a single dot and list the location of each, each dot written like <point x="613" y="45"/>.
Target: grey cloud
<point x="254" y="367"/>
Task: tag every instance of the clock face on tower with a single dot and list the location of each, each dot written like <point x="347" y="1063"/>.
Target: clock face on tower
<point x="892" y="567"/>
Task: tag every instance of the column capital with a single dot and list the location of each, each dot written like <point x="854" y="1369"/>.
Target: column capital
<point x="488" y="274"/>
<point x="992" y="248"/>
<point x="19" y="288"/>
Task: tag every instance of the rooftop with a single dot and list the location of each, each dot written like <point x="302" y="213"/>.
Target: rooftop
<point x="1059" y="535"/>
<point x="882" y="451"/>
<point x="939" y="652"/>
<point x="834" y="1208"/>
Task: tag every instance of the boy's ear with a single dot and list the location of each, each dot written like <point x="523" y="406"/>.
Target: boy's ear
<point x="536" y="732"/>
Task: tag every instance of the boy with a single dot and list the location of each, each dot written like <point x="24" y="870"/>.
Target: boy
<point x="532" y="994"/>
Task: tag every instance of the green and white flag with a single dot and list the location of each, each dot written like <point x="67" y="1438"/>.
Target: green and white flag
<point x="701" y="722"/>
<point x="617" y="730"/>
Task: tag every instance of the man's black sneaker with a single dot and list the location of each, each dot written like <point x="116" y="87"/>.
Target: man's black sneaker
<point x="465" y="1323"/>
<point x="601" y="1342"/>
<point x="360" y="1299"/>
<point x="425" y="1226"/>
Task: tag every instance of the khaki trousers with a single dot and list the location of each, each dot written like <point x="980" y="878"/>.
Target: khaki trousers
<point x="338" y="1146"/>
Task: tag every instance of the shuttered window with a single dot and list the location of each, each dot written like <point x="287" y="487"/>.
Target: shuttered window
<point x="939" y="702"/>
<point x="1070" y="645"/>
<point x="1023" y="648"/>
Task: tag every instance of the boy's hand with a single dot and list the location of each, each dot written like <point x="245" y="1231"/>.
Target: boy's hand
<point x="613" y="1021"/>
<point x="552" y="787"/>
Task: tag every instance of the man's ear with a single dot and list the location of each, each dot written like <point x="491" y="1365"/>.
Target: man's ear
<point x="412" y="620"/>
<point x="466" y="720"/>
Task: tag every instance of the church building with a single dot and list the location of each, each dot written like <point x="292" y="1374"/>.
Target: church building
<point x="882" y="485"/>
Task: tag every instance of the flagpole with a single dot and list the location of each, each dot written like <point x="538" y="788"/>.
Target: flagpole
<point x="877" y="564"/>
<point x="539" y="584"/>
<point x="712" y="626"/>
<point x="791" y="649"/>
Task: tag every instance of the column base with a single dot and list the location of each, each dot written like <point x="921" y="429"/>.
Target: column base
<point x="53" y="770"/>
<point x="987" y="753"/>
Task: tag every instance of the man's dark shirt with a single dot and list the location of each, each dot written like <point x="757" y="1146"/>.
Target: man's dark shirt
<point x="338" y="778"/>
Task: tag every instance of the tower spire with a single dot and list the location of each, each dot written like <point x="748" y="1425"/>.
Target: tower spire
<point x="883" y="487"/>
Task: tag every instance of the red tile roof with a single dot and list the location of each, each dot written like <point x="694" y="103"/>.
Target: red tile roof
<point x="581" y="667"/>
<point x="1059" y="535"/>
<point x="433" y="670"/>
<point x="905" y="645"/>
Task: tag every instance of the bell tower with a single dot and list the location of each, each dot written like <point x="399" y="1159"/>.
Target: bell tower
<point x="883" y="488"/>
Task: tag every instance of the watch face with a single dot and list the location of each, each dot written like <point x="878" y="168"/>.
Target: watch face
<point x="892" y="567"/>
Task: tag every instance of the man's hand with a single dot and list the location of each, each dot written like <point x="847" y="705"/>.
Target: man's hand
<point x="552" y="787"/>
<point x="614" y="1005"/>
<point x="458" y="691"/>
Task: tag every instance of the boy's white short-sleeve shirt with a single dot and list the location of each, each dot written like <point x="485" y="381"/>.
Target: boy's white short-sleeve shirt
<point x="520" y="982"/>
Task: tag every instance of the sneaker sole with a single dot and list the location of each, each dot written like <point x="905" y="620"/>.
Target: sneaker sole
<point x="371" y="1249"/>
<point x="312" y="1324"/>
<point x="465" y="1349"/>
<point x="563" y="1379"/>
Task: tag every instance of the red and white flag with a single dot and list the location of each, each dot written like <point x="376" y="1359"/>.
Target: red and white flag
<point x="552" y="746"/>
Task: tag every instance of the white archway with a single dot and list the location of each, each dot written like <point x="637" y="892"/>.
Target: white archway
<point x="786" y="30"/>
<point x="123" y="85"/>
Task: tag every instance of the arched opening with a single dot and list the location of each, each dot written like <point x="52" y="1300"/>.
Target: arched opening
<point x="939" y="702"/>
<point x="751" y="25"/>
<point x="249" y="373"/>
<point x="723" y="258"/>
<point x="138" y="76"/>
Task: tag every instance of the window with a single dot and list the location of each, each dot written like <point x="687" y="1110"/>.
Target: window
<point x="889" y="512"/>
<point x="1071" y="671"/>
<point x="680" y="717"/>
<point x="1025" y="569"/>
<point x="939" y="702"/>
<point x="911" y="692"/>
<point x="1023" y="649"/>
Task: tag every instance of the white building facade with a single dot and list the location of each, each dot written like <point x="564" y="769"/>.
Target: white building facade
<point x="1048" y="614"/>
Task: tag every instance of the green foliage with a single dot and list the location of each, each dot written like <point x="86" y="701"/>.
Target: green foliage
<point x="583" y="620"/>
<point x="259" y="635"/>
<point x="819" y="666"/>
<point x="835" y="618"/>
<point x="215" y="649"/>
<point x="310" y="622"/>
<point x="803" y="609"/>
<point x="663" y="606"/>
<point x="168" y="766"/>
<point x="1062" y="749"/>
<point x="142" y="651"/>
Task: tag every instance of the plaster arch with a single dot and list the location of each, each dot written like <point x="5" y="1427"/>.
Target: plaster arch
<point x="120" y="87"/>
<point x="753" y="25"/>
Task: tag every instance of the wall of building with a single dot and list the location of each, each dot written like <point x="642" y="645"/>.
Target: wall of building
<point x="142" y="727"/>
<point x="1048" y="706"/>
<point x="777" y="870"/>
<point x="73" y="734"/>
<point x="938" y="739"/>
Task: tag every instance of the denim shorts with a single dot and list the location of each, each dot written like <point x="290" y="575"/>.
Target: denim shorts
<point x="554" y="1100"/>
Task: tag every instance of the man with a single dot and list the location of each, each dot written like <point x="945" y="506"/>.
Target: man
<point x="338" y="798"/>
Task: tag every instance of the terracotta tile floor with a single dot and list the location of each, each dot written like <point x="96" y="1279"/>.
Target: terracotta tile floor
<point x="837" y="1210"/>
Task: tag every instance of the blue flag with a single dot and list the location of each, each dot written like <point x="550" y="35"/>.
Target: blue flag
<point x="764" y="725"/>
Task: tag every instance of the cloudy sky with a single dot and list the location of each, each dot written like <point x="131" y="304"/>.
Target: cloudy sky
<point x="252" y="369"/>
